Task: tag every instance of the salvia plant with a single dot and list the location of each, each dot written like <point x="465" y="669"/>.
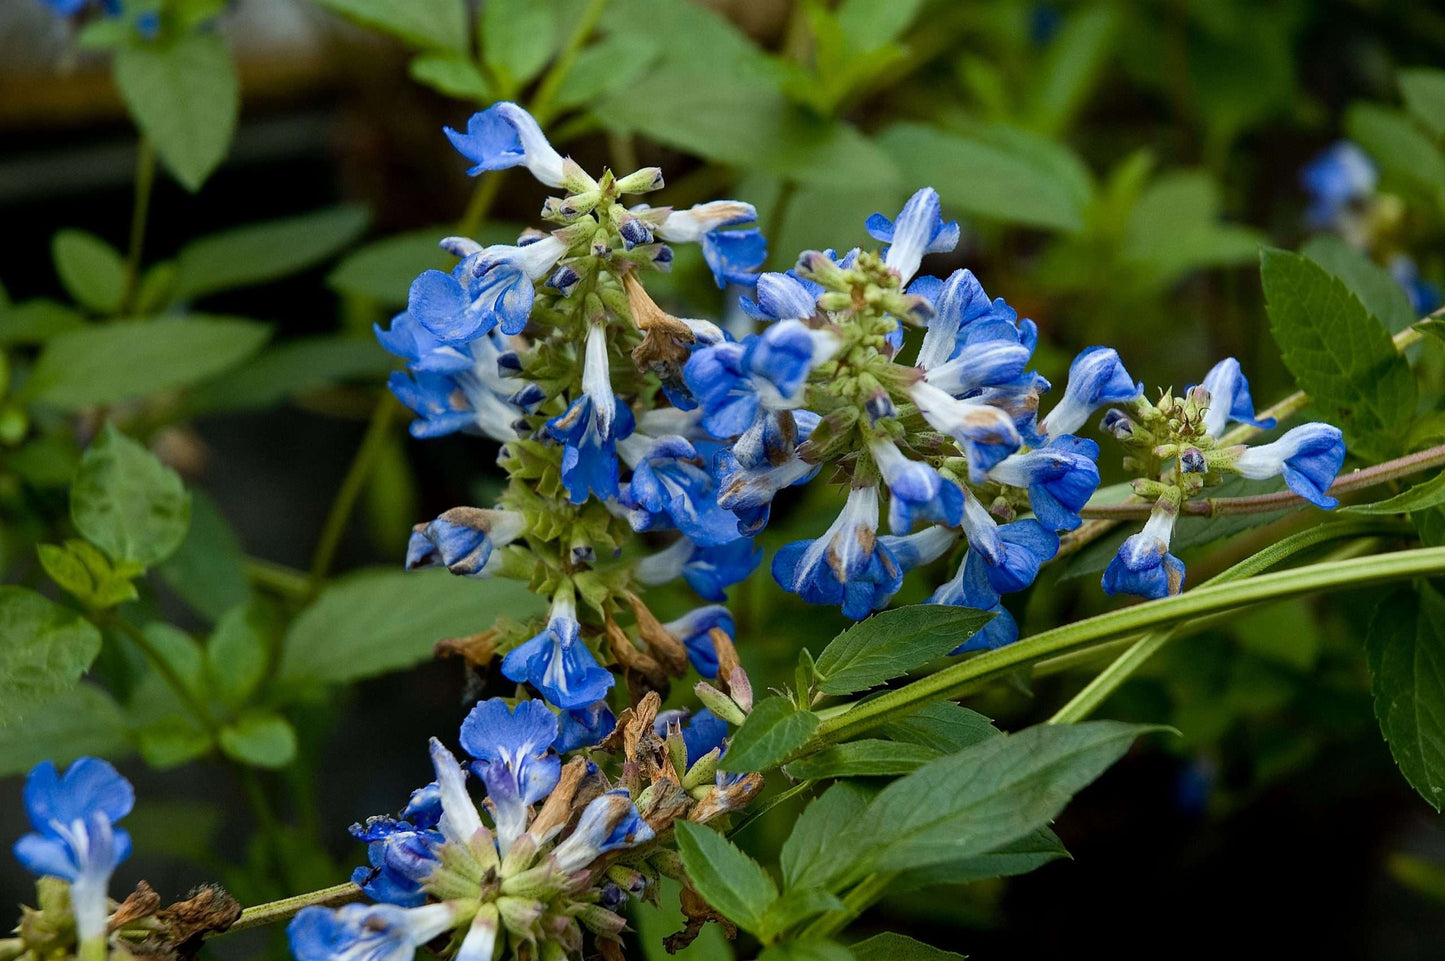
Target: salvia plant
<point x="865" y="429"/>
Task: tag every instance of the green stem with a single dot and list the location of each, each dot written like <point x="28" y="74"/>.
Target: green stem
<point x="354" y="483"/>
<point x="546" y="93"/>
<point x="958" y="679"/>
<point x="480" y="203"/>
<point x="277" y="578"/>
<point x="266" y="818"/>
<point x="779" y="214"/>
<point x="1263" y="503"/>
<point x="855" y="902"/>
<point x="286" y="908"/>
<point x="1109" y="680"/>
<point x="168" y="674"/>
<point x="145" y="175"/>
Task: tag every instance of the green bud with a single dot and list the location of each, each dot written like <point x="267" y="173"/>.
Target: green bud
<point x="641" y="181"/>
<point x="601" y="921"/>
<point x="677" y="750"/>
<point x="703" y="772"/>
<point x="520" y="915"/>
<point x="719" y="703"/>
<point x="542" y="882"/>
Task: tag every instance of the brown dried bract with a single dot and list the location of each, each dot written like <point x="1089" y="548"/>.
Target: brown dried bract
<point x="697" y="912"/>
<point x="476" y="649"/>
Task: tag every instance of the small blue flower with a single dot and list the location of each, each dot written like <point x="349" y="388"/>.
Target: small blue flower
<point x="1229" y="399"/>
<point x="1096" y="378"/>
<point x="922" y="547"/>
<point x="1010" y="555"/>
<point x="1060" y="479"/>
<point x="471" y="388"/>
<point x="463" y="540"/>
<point x="989" y="354"/>
<point x="986" y="433"/>
<point x="366" y="932"/>
<point x="493" y="287"/>
<point x="847" y="566"/>
<point x="402" y="856"/>
<point x="1309" y="456"/>
<point x="1143" y="565"/>
<point x="515" y="760"/>
<point x="608" y="823"/>
<point x="75" y="837"/>
<point x="970" y="588"/>
<point x="558" y="664"/>
<point x="703" y="733"/>
<point x="919" y="229"/>
<point x="1425" y="297"/>
<point x="583" y="727"/>
<point x="692" y="630"/>
<point x="916" y="492"/>
<point x="734" y="256"/>
<point x="709" y="571"/>
<point x="782" y="297"/>
<point x="671" y="489"/>
<point x="1336" y="178"/>
<point x="733" y="381"/>
<point x="958" y="303"/>
<point x="591" y="427"/>
<point x="505" y="135"/>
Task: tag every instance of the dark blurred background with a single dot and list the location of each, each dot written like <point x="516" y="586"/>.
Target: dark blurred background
<point x="1275" y="822"/>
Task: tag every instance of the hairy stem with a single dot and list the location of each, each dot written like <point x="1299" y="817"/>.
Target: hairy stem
<point x="286" y="908"/>
<point x="958" y="679"/>
<point x="145" y="175"/>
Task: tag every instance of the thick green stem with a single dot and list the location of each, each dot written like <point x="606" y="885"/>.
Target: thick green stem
<point x="277" y="578"/>
<point x="958" y="679"/>
<point x="286" y="908"/>
<point x="350" y="490"/>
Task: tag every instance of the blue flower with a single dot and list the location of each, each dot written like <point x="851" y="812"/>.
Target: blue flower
<point x="1009" y="555"/>
<point x="692" y="630"/>
<point x="671" y="489"/>
<point x="734" y="256"/>
<point x="782" y="297"/>
<point x="591" y="427"/>
<point x="489" y="288"/>
<point x="970" y="587"/>
<point x="710" y="571"/>
<point x="75" y="837"/>
<point x="703" y="733"/>
<point x="733" y="381"/>
<point x="583" y="727"/>
<point x="915" y="490"/>
<point x="1096" y="378"/>
<point x="401" y="855"/>
<point x="1060" y="479"/>
<point x="608" y="823"/>
<point x="919" y="229"/>
<point x="1229" y="399"/>
<point x="1336" y="178"/>
<point x="989" y="354"/>
<point x="1143" y="565"/>
<point x="1425" y="297"/>
<point x="366" y="932"/>
<point x="1309" y="456"/>
<point x="847" y="566"/>
<point x="558" y="664"/>
<point x="463" y="540"/>
<point x="958" y="303"/>
<point x="470" y="389"/>
<point x="514" y="759"/>
<point x="919" y="548"/>
<point x="505" y="135"/>
<point x="986" y="433"/>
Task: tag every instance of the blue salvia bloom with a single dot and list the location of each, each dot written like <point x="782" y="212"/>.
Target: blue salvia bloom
<point x="607" y="823"/>
<point x="916" y="492"/>
<point x="514" y="759"/>
<point x="1309" y="456"/>
<point x="1425" y="297"/>
<point x="670" y="489"/>
<point x="366" y="932"/>
<point x="506" y="135"/>
<point x="918" y="230"/>
<point x="472" y="388"/>
<point x="958" y="303"/>
<point x="709" y="571"/>
<point x="784" y="296"/>
<point x="401" y="856"/>
<point x="591" y="427"/>
<point x="488" y="288"/>
<point x="734" y="256"/>
<point x="1097" y="378"/>
<point x="1010" y="555"/>
<point x="1229" y="399"/>
<point x="1341" y="175"/>
<point x="734" y="381"/>
<point x="703" y="733"/>
<point x="988" y="354"/>
<point x="970" y="587"/>
<point x="1143" y="564"/>
<point x="987" y="433"/>
<point x="1060" y="479"/>
<point x="557" y="663"/>
<point x="692" y="630"/>
<point x="762" y="461"/>
<point x="464" y="540"/>
<point x="74" y="836"/>
<point x="583" y="727"/>
<point x="847" y="566"/>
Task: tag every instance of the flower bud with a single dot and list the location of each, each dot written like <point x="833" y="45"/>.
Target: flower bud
<point x="1191" y="460"/>
<point x="641" y="181"/>
<point x="520" y="915"/>
<point x="719" y="703"/>
<point x="601" y="921"/>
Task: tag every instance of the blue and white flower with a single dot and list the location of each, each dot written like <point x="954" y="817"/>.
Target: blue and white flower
<point x="767" y="371"/>
<point x="916" y="492"/>
<point x="1309" y="456"/>
<point x="591" y="427"/>
<point x="472" y="388"/>
<point x="401" y="855"/>
<point x="583" y="727"/>
<point x="608" y="823"/>
<point x="464" y="540"/>
<point x="919" y="229"/>
<point x="557" y="663"/>
<point x="671" y="489"/>
<point x="506" y="135"/>
<point x="1229" y="399"/>
<point x="1425" y="297"/>
<point x="515" y="760"/>
<point x="970" y="587"/>
<point x="1338" y="178"/>
<point x="733" y="255"/>
<point x="1097" y="378"/>
<point x="489" y="287"/>
<point x="1009" y="555"/>
<point x="692" y="630"/>
<point x="958" y="303"/>
<point x="847" y="566"/>
<point x="1143" y="565"/>
<point x="709" y="571"/>
<point x="367" y="932"/>
<point x="986" y="433"/>
<point x="784" y="296"/>
<point x="1060" y="479"/>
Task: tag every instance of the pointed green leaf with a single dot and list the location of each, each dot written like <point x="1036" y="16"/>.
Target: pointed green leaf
<point x="809" y="949"/>
<point x="453" y="74"/>
<point x="943" y="725"/>
<point x="892" y="643"/>
<point x="795" y="906"/>
<point x="83" y="720"/>
<point x="518" y="37"/>
<point x="1029" y="852"/>
<point x="811" y="856"/>
<point x="1424" y="92"/>
<point x="774" y="729"/>
<point x="44" y="649"/>
<point x="208" y="570"/>
<point x="1381" y="294"/>
<point x="1405" y="646"/>
<point x="727" y="878"/>
<point x="36" y="321"/>
<point x="236" y="657"/>
<point x="92" y="271"/>
<point x="263" y="740"/>
<point x="870" y="757"/>
<point x="256" y="253"/>
<point x="892" y="946"/>
<point x="1422" y="496"/>
<point x="126" y="502"/>
<point x="428" y="24"/>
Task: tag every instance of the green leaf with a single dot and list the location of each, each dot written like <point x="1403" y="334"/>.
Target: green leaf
<point x="81" y="721"/>
<point x="92" y="271"/>
<point x="208" y="570"/>
<point x="1424" y="92"/>
<point x="263" y="740"/>
<point x="377" y="621"/>
<point x="1174" y="229"/>
<point x="1074" y="60"/>
<point x="66" y="570"/>
<point x="811" y="855"/>
<point x="236" y="657"/>
<point x="773" y="730"/>
<point x="892" y="946"/>
<point x="870" y="757"/>
<point x="892" y="643"/>
<point x="182" y="654"/>
<point x="794" y="906"/>
<point x="453" y="74"/>
<point x="518" y="37"/>
<point x="1406" y="156"/>
<point x="1381" y="294"/>
<point x="728" y="879"/>
<point x="438" y="24"/>
<point x="985" y="796"/>
<point x="612" y="64"/>
<point x="1017" y="857"/>
<point x="868" y="24"/>
<point x="260" y="252"/>
<point x="126" y="502"/>
<point x="116" y="362"/>
<point x="1339" y="355"/>
<point x="1421" y="497"/>
<point x="810" y="949"/>
<point x="36" y="321"/>
<point x="986" y="180"/>
<point x="1405" y="646"/>
<point x="184" y="96"/>
<point x="44" y="649"/>
<point x="385" y="269"/>
<point x="291" y="369"/>
<point x="944" y="726"/>
<point x="171" y="742"/>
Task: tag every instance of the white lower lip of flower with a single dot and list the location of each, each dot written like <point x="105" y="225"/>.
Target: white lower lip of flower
<point x="841" y="542"/>
<point x="426" y="922"/>
<point x="688" y="226"/>
<point x="459" y="821"/>
<point x="1266" y="460"/>
<point x="597" y="379"/>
